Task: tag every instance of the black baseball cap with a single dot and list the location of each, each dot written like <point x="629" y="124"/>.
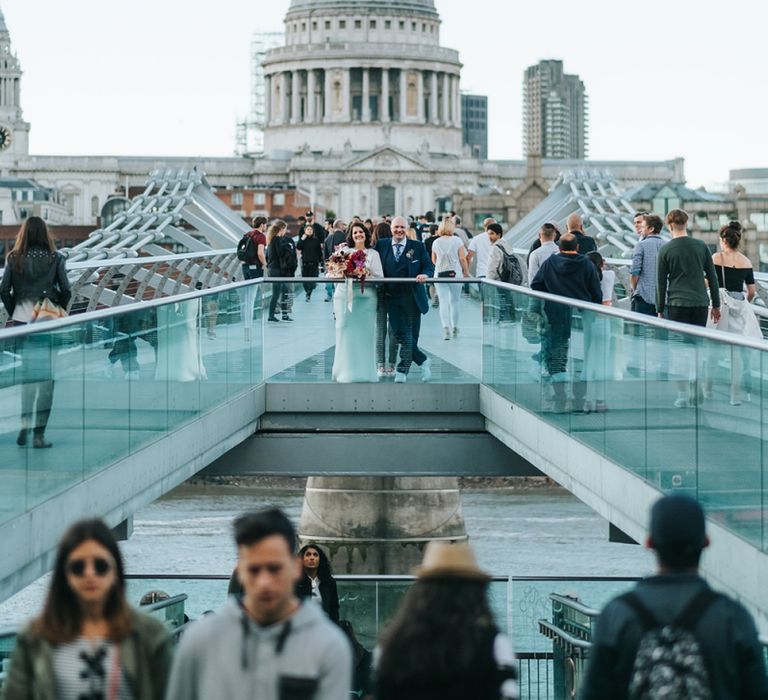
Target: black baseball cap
<point x="677" y="524"/>
<point x="309" y="214"/>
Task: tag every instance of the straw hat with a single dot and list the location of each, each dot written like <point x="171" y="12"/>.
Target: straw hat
<point x="446" y="560"/>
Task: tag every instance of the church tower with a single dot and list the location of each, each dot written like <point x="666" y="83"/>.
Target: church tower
<point x="14" y="131"/>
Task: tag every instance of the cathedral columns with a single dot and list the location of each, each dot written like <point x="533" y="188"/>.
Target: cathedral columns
<point x="403" y="94"/>
<point x="384" y="109"/>
<point x="456" y="99"/>
<point x="346" y="92"/>
<point x="296" y="97"/>
<point x="284" y="104"/>
<point x="446" y="100"/>
<point x="420" y="97"/>
<point x="328" y="92"/>
<point x="366" y="111"/>
<point x="267" y="100"/>
<point x="433" y="98"/>
<point x="311" y="97"/>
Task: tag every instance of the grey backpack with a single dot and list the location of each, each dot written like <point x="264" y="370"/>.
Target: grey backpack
<point x="669" y="663"/>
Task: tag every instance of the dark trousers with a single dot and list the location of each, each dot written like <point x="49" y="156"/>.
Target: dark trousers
<point x="555" y="340"/>
<point x="385" y="336"/>
<point x="309" y="269"/>
<point x="36" y="402"/>
<point x="37" y="387"/>
<point x="405" y="320"/>
<point x="695" y="315"/>
<point x="280" y="293"/>
<point x="641" y="306"/>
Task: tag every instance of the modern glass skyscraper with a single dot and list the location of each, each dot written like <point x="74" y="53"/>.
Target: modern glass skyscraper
<point x="555" y="121"/>
<point x="474" y="122"/>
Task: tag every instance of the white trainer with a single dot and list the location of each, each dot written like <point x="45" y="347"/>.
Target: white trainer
<point x="400" y="378"/>
<point x="426" y="370"/>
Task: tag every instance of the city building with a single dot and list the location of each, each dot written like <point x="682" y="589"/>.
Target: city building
<point x="474" y="124"/>
<point x="752" y="180"/>
<point x="362" y="112"/>
<point x="555" y="123"/>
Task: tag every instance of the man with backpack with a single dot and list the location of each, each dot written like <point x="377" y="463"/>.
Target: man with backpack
<point x="504" y="266"/>
<point x="672" y="636"/>
<point x="251" y="250"/>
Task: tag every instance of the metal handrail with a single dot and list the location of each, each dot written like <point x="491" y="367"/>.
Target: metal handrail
<point x="631" y="316"/>
<point x="339" y="577"/>
<point x="75" y="319"/>
<point x="165" y="603"/>
<point x="575" y="604"/>
<point x="171" y="257"/>
<point x="553" y="632"/>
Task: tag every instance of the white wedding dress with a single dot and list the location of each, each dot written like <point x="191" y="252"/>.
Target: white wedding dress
<point x="355" y="357"/>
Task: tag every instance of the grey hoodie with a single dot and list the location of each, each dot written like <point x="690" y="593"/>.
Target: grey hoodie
<point x="227" y="656"/>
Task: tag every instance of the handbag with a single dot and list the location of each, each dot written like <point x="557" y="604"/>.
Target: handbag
<point x="736" y="315"/>
<point x="46" y="310"/>
<point x="447" y="273"/>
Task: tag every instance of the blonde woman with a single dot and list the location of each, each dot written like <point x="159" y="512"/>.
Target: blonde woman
<point x="450" y="259"/>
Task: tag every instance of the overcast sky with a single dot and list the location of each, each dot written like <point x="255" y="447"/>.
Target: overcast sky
<point x="170" y="77"/>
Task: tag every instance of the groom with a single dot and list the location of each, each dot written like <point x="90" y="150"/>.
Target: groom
<point x="402" y="257"/>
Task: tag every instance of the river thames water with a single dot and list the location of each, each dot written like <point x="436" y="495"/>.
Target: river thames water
<point x="536" y="532"/>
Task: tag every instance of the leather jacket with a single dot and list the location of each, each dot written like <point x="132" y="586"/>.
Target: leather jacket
<point x="42" y="274"/>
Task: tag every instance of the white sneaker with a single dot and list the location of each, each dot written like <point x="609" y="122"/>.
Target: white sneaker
<point x="682" y="402"/>
<point x="400" y="378"/>
<point x="110" y="370"/>
<point x="426" y="370"/>
<point x="132" y="376"/>
<point x="455" y="331"/>
<point x="446" y="333"/>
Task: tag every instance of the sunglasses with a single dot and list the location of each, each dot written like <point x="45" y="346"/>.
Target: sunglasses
<point x="101" y="567"/>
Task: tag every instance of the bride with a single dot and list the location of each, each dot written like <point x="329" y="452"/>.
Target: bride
<point x="355" y="358"/>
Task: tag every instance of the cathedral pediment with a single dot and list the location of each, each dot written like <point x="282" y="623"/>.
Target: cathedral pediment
<point x="385" y="159"/>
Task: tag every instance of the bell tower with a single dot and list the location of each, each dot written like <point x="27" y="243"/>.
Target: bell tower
<point x="14" y="131"/>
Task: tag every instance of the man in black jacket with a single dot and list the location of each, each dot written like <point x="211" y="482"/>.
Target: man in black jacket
<point x="575" y="225"/>
<point x="572" y="275"/>
<point x="311" y="249"/>
<point x="723" y="629"/>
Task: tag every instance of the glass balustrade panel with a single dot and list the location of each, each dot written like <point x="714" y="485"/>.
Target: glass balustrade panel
<point x="363" y="331"/>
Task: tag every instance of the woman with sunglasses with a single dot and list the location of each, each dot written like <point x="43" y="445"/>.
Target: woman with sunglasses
<point x="88" y="642"/>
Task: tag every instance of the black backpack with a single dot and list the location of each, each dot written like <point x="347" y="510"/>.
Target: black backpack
<point x="245" y="248"/>
<point x="669" y="663"/>
<point x="510" y="270"/>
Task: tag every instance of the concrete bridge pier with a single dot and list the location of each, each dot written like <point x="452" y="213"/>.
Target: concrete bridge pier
<point x="380" y="525"/>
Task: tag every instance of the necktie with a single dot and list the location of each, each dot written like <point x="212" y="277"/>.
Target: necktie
<point x="398" y="250"/>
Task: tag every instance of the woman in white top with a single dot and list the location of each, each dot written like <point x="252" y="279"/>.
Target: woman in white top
<point x="355" y="310"/>
<point x="450" y="259"/>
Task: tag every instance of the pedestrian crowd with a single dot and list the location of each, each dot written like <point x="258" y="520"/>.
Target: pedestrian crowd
<point x="279" y="635"/>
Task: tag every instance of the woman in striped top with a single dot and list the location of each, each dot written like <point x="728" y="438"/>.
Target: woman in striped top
<point x="88" y="642"/>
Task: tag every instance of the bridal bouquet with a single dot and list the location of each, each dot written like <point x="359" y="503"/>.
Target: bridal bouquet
<point x="351" y="265"/>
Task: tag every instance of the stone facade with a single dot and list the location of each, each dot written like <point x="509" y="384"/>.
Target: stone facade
<point x="363" y="113"/>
